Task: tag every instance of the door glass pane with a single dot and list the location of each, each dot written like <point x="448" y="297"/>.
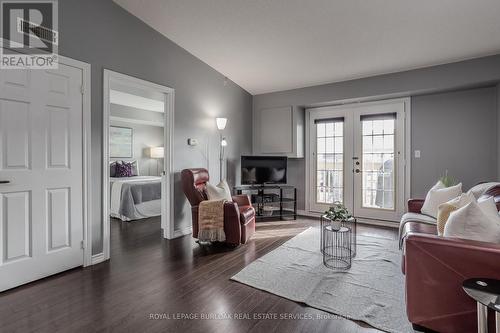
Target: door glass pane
<point x="329" y="162"/>
<point x="378" y="182"/>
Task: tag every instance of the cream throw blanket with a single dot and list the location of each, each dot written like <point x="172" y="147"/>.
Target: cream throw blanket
<point x="211" y="221"/>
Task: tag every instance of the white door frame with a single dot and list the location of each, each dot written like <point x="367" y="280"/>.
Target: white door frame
<point x="86" y="150"/>
<point x="351" y="104"/>
<point x="168" y="185"/>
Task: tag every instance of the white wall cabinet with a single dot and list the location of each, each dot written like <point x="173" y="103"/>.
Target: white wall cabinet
<point x="279" y="132"/>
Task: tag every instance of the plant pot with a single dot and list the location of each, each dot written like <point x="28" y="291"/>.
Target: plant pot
<point x="336" y="224"/>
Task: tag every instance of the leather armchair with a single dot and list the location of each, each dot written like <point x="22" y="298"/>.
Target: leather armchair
<point x="239" y="215"/>
<point x="435" y="268"/>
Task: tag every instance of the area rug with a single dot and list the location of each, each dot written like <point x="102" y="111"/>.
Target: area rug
<point x="372" y="291"/>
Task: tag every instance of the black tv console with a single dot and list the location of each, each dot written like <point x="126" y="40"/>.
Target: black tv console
<point x="272" y="202"/>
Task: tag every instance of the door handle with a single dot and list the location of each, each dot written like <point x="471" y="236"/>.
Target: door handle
<point x="4" y="181"/>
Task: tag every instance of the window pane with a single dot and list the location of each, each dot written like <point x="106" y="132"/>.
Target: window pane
<point x="321" y="145"/>
<point x="329" y="145"/>
<point x="329" y="162"/>
<point x="321" y="162"/>
<point x="320" y="128"/>
<point x="330" y="129"/>
<point x="378" y="126"/>
<point x="378" y="158"/>
<point x="389" y="126"/>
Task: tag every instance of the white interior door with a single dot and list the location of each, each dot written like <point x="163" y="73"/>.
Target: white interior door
<point x="357" y="158"/>
<point x="41" y="206"/>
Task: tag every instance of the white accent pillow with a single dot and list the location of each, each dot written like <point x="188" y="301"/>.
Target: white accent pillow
<point x="489" y="208"/>
<point x="220" y="191"/>
<point x="437" y="195"/>
<point x="462" y="200"/>
<point x="471" y="222"/>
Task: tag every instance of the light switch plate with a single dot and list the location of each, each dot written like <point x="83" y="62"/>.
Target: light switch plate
<point x="417" y="153"/>
<point x="192" y="142"/>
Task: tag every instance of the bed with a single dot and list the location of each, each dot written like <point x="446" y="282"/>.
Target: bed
<point x="135" y="198"/>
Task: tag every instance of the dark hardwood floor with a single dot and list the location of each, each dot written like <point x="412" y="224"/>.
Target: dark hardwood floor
<point x="149" y="276"/>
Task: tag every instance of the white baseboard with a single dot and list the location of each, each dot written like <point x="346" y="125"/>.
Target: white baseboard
<point x="183" y="232"/>
<point x="97" y="258"/>
<point x="305" y="213"/>
<point x="359" y="219"/>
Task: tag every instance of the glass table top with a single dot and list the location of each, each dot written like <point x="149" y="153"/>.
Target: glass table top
<point x="485" y="291"/>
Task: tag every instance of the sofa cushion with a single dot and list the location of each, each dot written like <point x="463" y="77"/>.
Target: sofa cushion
<point x="438" y="195"/>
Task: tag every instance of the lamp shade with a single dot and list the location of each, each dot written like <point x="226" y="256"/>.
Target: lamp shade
<point x="221" y="123"/>
<point x="156" y="152"/>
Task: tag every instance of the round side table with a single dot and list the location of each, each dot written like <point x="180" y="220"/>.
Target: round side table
<point x="350" y="223"/>
<point x="336" y="247"/>
<point x="486" y="292"/>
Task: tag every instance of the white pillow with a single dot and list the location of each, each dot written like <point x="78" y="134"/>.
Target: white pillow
<point x="220" y="191"/>
<point x="489" y="208"/>
<point x="471" y="222"/>
<point x="462" y="200"/>
<point x="437" y="195"/>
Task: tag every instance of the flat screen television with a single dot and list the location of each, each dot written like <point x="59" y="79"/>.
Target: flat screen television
<point x="260" y="170"/>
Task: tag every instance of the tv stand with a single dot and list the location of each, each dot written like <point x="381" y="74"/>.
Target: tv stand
<point x="271" y="202"/>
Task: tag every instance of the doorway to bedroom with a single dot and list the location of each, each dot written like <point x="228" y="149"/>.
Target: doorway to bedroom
<point x="137" y="157"/>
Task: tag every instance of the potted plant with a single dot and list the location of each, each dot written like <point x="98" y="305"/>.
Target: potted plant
<point x="447" y="180"/>
<point x="337" y="214"/>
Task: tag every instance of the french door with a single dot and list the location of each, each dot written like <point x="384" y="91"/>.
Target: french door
<point x="357" y="157"/>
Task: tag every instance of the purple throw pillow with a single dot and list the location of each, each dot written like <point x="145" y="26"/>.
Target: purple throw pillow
<point x="124" y="169"/>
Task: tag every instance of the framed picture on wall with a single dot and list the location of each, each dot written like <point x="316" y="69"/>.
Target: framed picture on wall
<point x="120" y="142"/>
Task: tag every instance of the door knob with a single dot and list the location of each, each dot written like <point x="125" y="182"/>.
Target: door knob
<point x="357" y="171"/>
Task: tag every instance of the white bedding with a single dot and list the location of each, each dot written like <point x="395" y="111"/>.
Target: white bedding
<point x="143" y="210"/>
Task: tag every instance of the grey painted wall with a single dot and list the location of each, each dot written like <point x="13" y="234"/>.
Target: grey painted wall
<point x="455" y="131"/>
<point x="421" y="84"/>
<point x="106" y="36"/>
<point x="498" y="130"/>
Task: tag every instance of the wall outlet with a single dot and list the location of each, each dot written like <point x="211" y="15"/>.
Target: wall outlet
<point x="417" y="153"/>
<point x="192" y="142"/>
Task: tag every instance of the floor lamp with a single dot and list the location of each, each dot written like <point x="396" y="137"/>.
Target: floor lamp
<point x="221" y="125"/>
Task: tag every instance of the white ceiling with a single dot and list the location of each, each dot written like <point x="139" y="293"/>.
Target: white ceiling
<point x="272" y="45"/>
<point x="135" y="101"/>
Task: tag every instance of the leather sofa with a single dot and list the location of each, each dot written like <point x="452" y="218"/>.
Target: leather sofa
<point x="434" y="269"/>
<point x="239" y="215"/>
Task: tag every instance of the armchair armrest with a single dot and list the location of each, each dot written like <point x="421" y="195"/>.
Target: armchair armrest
<point x="232" y="227"/>
<point x="242" y="200"/>
<point x="415" y="205"/>
<point x="435" y="270"/>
